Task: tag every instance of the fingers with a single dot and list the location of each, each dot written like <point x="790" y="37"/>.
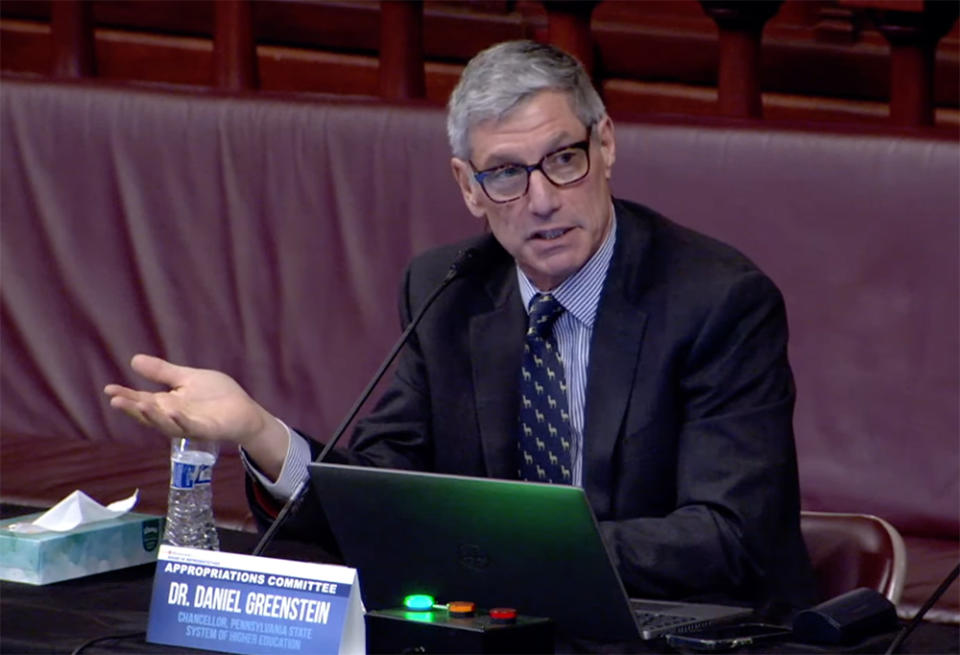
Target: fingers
<point x="128" y="407"/>
<point x="132" y="409"/>
<point x="201" y="403"/>
<point x="159" y="370"/>
<point x="161" y="419"/>
<point x="149" y="414"/>
<point x="125" y="398"/>
<point x="146" y="408"/>
<point x="120" y="390"/>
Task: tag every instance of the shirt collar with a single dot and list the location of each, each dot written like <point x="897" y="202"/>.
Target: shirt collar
<point x="580" y="293"/>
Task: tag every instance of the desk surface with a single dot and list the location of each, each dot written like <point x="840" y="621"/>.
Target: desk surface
<point x="59" y="617"/>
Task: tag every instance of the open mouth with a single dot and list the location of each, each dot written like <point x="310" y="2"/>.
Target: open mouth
<point x="550" y="235"/>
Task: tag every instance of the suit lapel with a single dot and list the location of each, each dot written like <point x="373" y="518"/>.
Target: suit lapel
<point x="614" y="354"/>
<point x="496" y="342"/>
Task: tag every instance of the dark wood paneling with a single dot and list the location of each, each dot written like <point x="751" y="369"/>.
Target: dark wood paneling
<point x="26" y="46"/>
<point x="126" y="56"/>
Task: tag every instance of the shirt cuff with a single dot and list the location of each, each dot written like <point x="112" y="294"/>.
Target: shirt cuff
<point x="294" y="469"/>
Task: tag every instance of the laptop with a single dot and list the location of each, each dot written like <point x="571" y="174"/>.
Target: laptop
<point x="499" y="543"/>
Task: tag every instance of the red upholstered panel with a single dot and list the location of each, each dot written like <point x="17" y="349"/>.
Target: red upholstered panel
<point x="259" y="237"/>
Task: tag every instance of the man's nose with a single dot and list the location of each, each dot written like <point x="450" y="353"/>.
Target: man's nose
<point x="542" y="195"/>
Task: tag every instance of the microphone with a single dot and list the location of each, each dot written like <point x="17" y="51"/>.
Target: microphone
<point x="466" y="263"/>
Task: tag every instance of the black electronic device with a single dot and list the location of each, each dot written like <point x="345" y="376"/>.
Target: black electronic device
<point x="846" y="619"/>
<point x="533" y="546"/>
<point x="436" y="631"/>
<point x="727" y="637"/>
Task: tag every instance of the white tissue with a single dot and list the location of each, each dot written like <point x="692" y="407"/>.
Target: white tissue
<point x="76" y="509"/>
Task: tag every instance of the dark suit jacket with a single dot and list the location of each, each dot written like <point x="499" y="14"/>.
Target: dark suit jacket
<point x="689" y="459"/>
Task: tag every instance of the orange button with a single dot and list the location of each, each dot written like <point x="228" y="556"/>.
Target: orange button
<point x="503" y="615"/>
<point x="461" y="608"/>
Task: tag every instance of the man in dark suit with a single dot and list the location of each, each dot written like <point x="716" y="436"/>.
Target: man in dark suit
<point x="674" y="398"/>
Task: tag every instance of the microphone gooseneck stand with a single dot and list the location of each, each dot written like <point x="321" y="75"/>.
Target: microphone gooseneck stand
<point x="915" y="621"/>
<point x="462" y="265"/>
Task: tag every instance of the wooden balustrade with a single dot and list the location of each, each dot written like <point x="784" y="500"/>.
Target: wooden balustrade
<point x="408" y="49"/>
<point x="401" y="50"/>
<point x="913" y="32"/>
<point x="234" y="46"/>
<point x="71" y="26"/>
<point x="568" y="27"/>
<point x="738" y="78"/>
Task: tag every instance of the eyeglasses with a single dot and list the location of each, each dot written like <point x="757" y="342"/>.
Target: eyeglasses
<point x="561" y="167"/>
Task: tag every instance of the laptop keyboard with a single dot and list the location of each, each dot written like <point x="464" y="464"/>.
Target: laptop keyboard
<point x="654" y="621"/>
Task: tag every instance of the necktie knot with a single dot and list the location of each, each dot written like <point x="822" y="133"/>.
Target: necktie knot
<point x="544" y="310"/>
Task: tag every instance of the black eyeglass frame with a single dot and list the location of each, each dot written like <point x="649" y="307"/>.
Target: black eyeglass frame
<point x="584" y="145"/>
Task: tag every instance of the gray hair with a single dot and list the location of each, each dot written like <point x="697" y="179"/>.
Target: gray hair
<point x="499" y="78"/>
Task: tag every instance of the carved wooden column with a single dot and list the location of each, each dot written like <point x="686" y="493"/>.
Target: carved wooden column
<point x="913" y="37"/>
<point x="401" y="50"/>
<point x="568" y="28"/>
<point x="234" y="46"/>
<point x="738" y="77"/>
<point x="71" y="26"/>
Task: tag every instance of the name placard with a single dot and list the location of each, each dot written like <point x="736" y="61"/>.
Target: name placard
<point x="257" y="605"/>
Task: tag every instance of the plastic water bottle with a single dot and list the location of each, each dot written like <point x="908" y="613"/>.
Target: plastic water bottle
<point x="190" y="505"/>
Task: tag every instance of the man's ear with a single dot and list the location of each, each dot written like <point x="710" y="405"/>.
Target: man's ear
<point x="468" y="188"/>
<point x="608" y="145"/>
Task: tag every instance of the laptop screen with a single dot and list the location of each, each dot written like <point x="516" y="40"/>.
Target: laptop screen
<point x="499" y="543"/>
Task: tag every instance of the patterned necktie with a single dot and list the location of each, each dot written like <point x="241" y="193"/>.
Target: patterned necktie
<point x="544" y="439"/>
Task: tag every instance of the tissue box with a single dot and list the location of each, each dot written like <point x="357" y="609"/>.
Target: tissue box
<point x="46" y="557"/>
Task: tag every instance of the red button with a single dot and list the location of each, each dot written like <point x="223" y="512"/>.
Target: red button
<point x="503" y="615"/>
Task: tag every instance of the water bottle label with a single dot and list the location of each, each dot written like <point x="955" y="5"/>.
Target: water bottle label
<point x="204" y="474"/>
<point x="185" y="475"/>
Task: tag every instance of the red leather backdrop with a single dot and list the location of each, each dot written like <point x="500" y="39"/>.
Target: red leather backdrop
<point x="265" y="237"/>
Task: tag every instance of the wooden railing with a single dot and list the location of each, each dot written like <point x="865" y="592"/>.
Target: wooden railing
<point x="913" y="28"/>
<point x="385" y="52"/>
<point x="71" y="25"/>
<point x="234" y="47"/>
